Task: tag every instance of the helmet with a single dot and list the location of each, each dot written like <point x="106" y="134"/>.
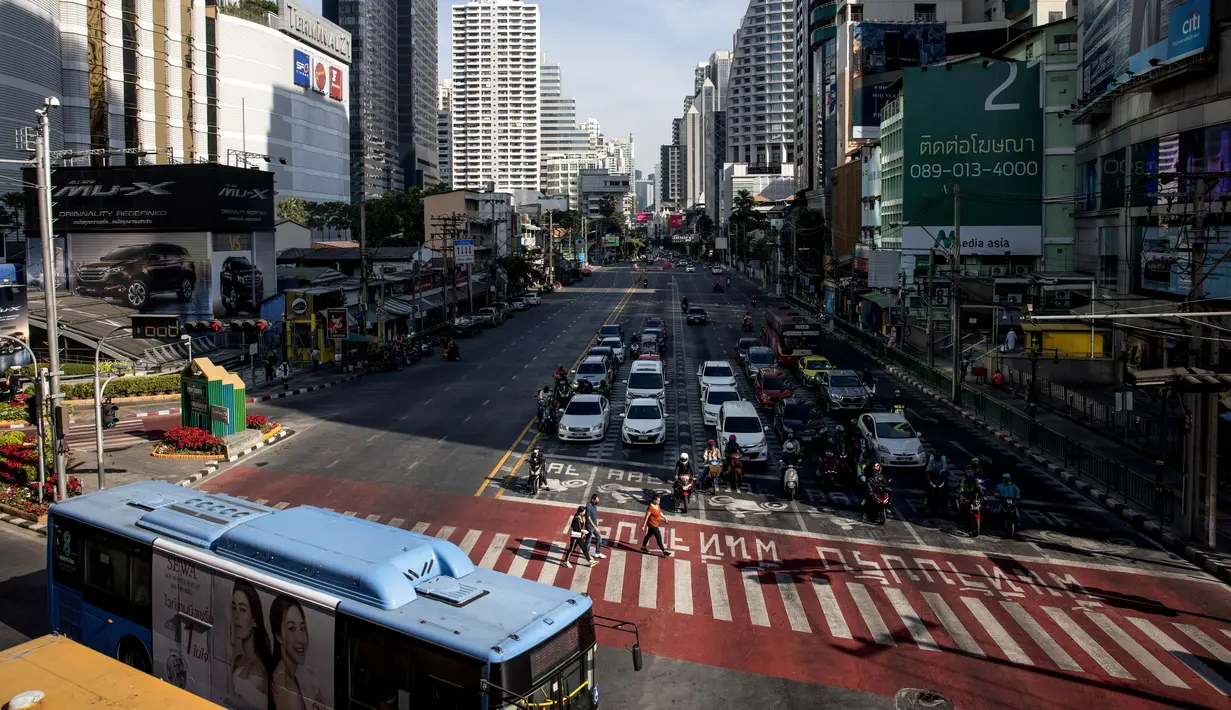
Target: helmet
<point x="897" y="391"/>
<point x="876" y="467"/>
<point x="538" y="449"/>
<point x="974" y="461"/>
<point x="1007" y="478"/>
<point x="731" y="438"/>
<point x="683" y="458"/>
<point x="790" y="434"/>
<point x="711" y="442"/>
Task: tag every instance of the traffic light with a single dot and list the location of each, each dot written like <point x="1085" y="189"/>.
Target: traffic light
<point x="203" y="326"/>
<point x="251" y="328"/>
<point x="34" y="407"/>
<point x="110" y="414"/>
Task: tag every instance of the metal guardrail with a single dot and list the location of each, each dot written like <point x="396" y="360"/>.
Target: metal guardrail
<point x="1078" y="458"/>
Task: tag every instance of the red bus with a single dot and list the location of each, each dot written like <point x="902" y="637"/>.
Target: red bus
<point x="790" y="334"/>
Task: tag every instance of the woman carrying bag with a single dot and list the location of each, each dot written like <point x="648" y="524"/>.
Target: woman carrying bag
<point x="577" y="538"/>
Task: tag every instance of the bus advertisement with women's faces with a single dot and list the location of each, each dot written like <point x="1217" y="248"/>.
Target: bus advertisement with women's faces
<point x="242" y="645"/>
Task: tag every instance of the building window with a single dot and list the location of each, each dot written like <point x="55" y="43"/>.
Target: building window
<point x="1066" y="43"/>
<point x="925" y="13"/>
<point x="856" y="13"/>
<point x="1055" y="16"/>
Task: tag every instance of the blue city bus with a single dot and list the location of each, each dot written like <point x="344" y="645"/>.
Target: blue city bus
<point x="257" y="608"/>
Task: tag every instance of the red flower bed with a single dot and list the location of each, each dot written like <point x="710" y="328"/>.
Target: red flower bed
<point x="265" y="424"/>
<point x="19" y="462"/>
<point x="190" y="440"/>
<point x="25" y="498"/>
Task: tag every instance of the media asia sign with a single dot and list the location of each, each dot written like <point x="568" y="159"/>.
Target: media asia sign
<point x="189" y="197"/>
<point x="310" y="27"/>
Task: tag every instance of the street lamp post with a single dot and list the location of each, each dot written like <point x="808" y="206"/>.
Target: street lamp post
<point x="99" y="388"/>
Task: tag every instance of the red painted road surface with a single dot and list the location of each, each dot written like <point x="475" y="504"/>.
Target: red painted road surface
<point x="986" y="632"/>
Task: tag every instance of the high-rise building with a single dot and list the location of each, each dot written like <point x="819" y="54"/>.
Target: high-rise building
<point x="712" y="183"/>
<point x="676" y="128"/>
<point x="761" y="105"/>
<point x="594" y="133"/>
<point x="563" y="172"/>
<point x="671" y="172"/>
<point x="699" y="75"/>
<point x="496" y="95"/>
<point x="620" y="158"/>
<point x="558" y="129"/>
<point x="416" y="91"/>
<point x="30" y="71"/>
<point x="376" y="164"/>
<point x="694" y="149"/>
<point x="719" y="72"/>
<point x="444" y="132"/>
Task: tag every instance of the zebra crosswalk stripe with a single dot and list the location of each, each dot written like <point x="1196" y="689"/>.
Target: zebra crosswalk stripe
<point x="1053" y="650"/>
<point x="1134" y="649"/>
<point x="419" y="528"/>
<point x="445" y="532"/>
<point x="1196" y="665"/>
<point x="953" y="627"/>
<point x="756" y="598"/>
<point x="555" y="558"/>
<point x="717" y="578"/>
<point x="493" y="551"/>
<point x="791" y="602"/>
<point x="613" y="591"/>
<point x="999" y="635"/>
<point x="683" y="586"/>
<point x="1204" y="640"/>
<point x="1096" y="652"/>
<point x="914" y="625"/>
<point x="469" y="541"/>
<point x="522" y="559"/>
<point x="871" y="617"/>
<point x="647" y="593"/>
<point x="831" y="610"/>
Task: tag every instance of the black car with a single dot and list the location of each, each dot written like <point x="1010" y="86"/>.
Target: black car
<point x="696" y="314"/>
<point x="465" y="327"/>
<point x="806" y="422"/>
<point x="133" y="273"/>
<point x="610" y="330"/>
<point x="240" y="281"/>
<point x="743" y="345"/>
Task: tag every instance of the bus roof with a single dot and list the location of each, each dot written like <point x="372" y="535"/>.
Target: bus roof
<point x="387" y="575"/>
<point x="73" y="677"/>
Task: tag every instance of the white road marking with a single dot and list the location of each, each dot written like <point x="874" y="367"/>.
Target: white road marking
<point x="555" y="560"/>
<point x="1134" y="649"/>
<point x="419" y="528"/>
<point x="427" y="401"/>
<point x="350" y="513"/>
<point x="469" y="540"/>
<point x="262" y="501"/>
<point x="1204" y="641"/>
<point x="791" y="602"/>
<point x="647" y="594"/>
<point x="871" y="617"/>
<point x="396" y="522"/>
<point x="1053" y="650"/>
<point x="445" y="532"/>
<point x="581" y="579"/>
<point x="522" y="558"/>
<point x="412" y="465"/>
<point x="493" y="551"/>
<point x="1092" y="648"/>
<point x="1183" y="655"/>
<point x="486" y="402"/>
<point x="831" y="610"/>
<point x="717" y="578"/>
<point x="683" y="586"/>
<point x="914" y="625"/>
<point x="335" y="463"/>
<point x="965" y="642"/>
<point x="613" y="591"/>
<point x="375" y="436"/>
<point x="282" y="506"/>
<point x="372" y="518"/>
<point x="999" y="635"/>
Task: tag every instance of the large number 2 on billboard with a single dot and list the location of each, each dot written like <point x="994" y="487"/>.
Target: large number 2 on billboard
<point x="990" y="104"/>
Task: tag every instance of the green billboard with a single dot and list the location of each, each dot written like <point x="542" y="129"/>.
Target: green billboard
<point x="977" y="124"/>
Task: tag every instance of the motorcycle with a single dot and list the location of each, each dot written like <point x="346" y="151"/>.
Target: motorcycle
<point x="683" y="491"/>
<point x="899" y="409"/>
<point x="877" y="502"/>
<point x="828" y="469"/>
<point x="938" y="492"/>
<point x="972" y="511"/>
<point x="684" y="305"/>
<point x="737" y="468"/>
<point x="1010" y="517"/>
<point x="645" y="283"/>
<point x="425" y="349"/>
<point x="714" y="469"/>
<point x="547" y="419"/>
<point x="717" y="287"/>
<point x="384" y="361"/>
<point x="453" y="354"/>
<point x="754" y="301"/>
<point x="790" y="479"/>
<point x="536" y="478"/>
<point x="746" y="325"/>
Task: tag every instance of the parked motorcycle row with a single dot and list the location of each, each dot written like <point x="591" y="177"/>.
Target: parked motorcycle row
<point x="397" y="355"/>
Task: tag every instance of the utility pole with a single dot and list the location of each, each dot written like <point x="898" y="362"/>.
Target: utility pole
<point x="549" y="260"/>
<point x="955" y="296"/>
<point x="59" y="418"/>
<point x="363" y="263"/>
<point x="930" y="302"/>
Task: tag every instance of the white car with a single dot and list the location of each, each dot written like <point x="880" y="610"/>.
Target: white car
<point x="645" y="422"/>
<point x="616" y="345"/>
<point x="712" y="399"/>
<point x="892" y="440"/>
<point x="519" y="304"/>
<point x="690" y="269"/>
<point x="645" y="379"/>
<point x="532" y="298"/>
<point x="716" y="270"/>
<point x="585" y="418"/>
<point x="741" y="419"/>
<point x="715" y="372"/>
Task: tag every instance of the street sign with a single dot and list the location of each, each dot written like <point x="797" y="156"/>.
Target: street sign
<point x="463" y="251"/>
<point x="220" y="413"/>
<point x="149" y="327"/>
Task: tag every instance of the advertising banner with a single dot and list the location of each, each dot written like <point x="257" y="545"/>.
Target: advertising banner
<point x="236" y="642"/>
<point x="34" y="263"/>
<point x="675" y="220"/>
<point x="643" y="217"/>
<point x="303" y="68"/>
<point x="14" y="319"/>
<point x="335" y="324"/>
<point x="463" y="251"/>
<point x="320" y="75"/>
<point x="153" y="273"/>
<point x="880" y="51"/>
<point x="242" y="273"/>
<point x="1167" y="265"/>
<point x="989" y="140"/>
<point x="178" y="198"/>
<point x="611" y="241"/>
<point x="335" y="83"/>
<point x="1118" y="36"/>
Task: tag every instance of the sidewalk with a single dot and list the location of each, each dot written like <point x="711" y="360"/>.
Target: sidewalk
<point x="300" y="382"/>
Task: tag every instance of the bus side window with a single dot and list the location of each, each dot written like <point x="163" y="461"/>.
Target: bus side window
<point x="380" y="669"/>
<point x="117" y="576"/>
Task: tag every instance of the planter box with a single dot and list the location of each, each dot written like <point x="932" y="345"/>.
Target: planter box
<point x="22" y="514"/>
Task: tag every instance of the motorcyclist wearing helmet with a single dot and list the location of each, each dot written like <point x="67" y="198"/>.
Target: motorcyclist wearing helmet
<point x="791" y="448"/>
<point x="585" y="387"/>
<point x="873" y="477"/>
<point x="937" y="467"/>
<point x="970" y="488"/>
<point x="898" y="399"/>
<point x="1008" y="489"/>
<point x="561" y="372"/>
<point x="712" y="453"/>
<point x="868" y="380"/>
<point x="544" y="394"/>
<point x="538" y="465"/>
<point x="683" y="467"/>
<point x="604" y="388"/>
<point x="733" y="447"/>
<point x="975" y="469"/>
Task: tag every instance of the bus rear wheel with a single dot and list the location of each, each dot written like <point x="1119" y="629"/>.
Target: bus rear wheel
<point x="132" y="653"/>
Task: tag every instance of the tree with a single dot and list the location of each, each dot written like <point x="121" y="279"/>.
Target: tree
<point x="705" y="225"/>
<point x="294" y="209"/>
<point x="394" y="218"/>
<point x="13" y="212"/>
<point x="520" y="271"/>
<point x="569" y="221"/>
<point x="745" y="214"/>
<point x="613" y="221"/>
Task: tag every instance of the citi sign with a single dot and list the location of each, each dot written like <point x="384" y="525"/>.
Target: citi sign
<point x="1192" y="24"/>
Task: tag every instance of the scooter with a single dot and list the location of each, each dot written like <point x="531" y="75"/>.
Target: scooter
<point x="876" y="503"/>
<point x="536" y="479"/>
<point x="453" y="354"/>
<point x="754" y="301"/>
<point x="1010" y="516"/>
<point x="683" y="491"/>
<point x="972" y="511"/>
<point x="714" y="469"/>
<point x="645" y="283"/>
<point x="717" y="287"/>
<point x="938" y="492"/>
<point x="746" y="325"/>
<point x="737" y="468"/>
<point x="790" y="480"/>
<point x="899" y="409"/>
<point x="547" y="419"/>
<point x="828" y="469"/>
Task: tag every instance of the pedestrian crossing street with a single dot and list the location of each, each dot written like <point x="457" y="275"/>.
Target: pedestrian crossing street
<point x="1048" y="625"/>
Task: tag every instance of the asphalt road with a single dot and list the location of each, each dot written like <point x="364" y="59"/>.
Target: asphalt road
<point x="1078" y="610"/>
<point x="23" y="586"/>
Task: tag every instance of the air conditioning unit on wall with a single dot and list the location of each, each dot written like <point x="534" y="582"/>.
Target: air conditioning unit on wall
<point x="997" y="271"/>
<point x="1021" y="270"/>
<point x="1061" y="299"/>
<point x="1014" y="298"/>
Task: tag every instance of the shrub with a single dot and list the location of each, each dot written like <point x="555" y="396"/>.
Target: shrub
<point x="25" y="498"/>
<point x="74" y="369"/>
<point x="257" y="421"/>
<point x="190" y="440"/>
<point x="142" y="386"/>
<point x="19" y="462"/>
<point x="12" y="412"/>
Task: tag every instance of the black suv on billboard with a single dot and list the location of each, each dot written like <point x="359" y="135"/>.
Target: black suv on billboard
<point x="235" y="281"/>
<point x="134" y="272"/>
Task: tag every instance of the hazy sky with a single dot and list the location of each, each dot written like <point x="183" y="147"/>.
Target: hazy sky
<point x="629" y="63"/>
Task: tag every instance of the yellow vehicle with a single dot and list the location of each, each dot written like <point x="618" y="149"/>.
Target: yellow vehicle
<point x="71" y="676"/>
<point x="810" y="365"/>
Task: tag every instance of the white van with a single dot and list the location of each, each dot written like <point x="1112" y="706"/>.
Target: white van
<point x="646" y="379"/>
<point x="740" y="418"/>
